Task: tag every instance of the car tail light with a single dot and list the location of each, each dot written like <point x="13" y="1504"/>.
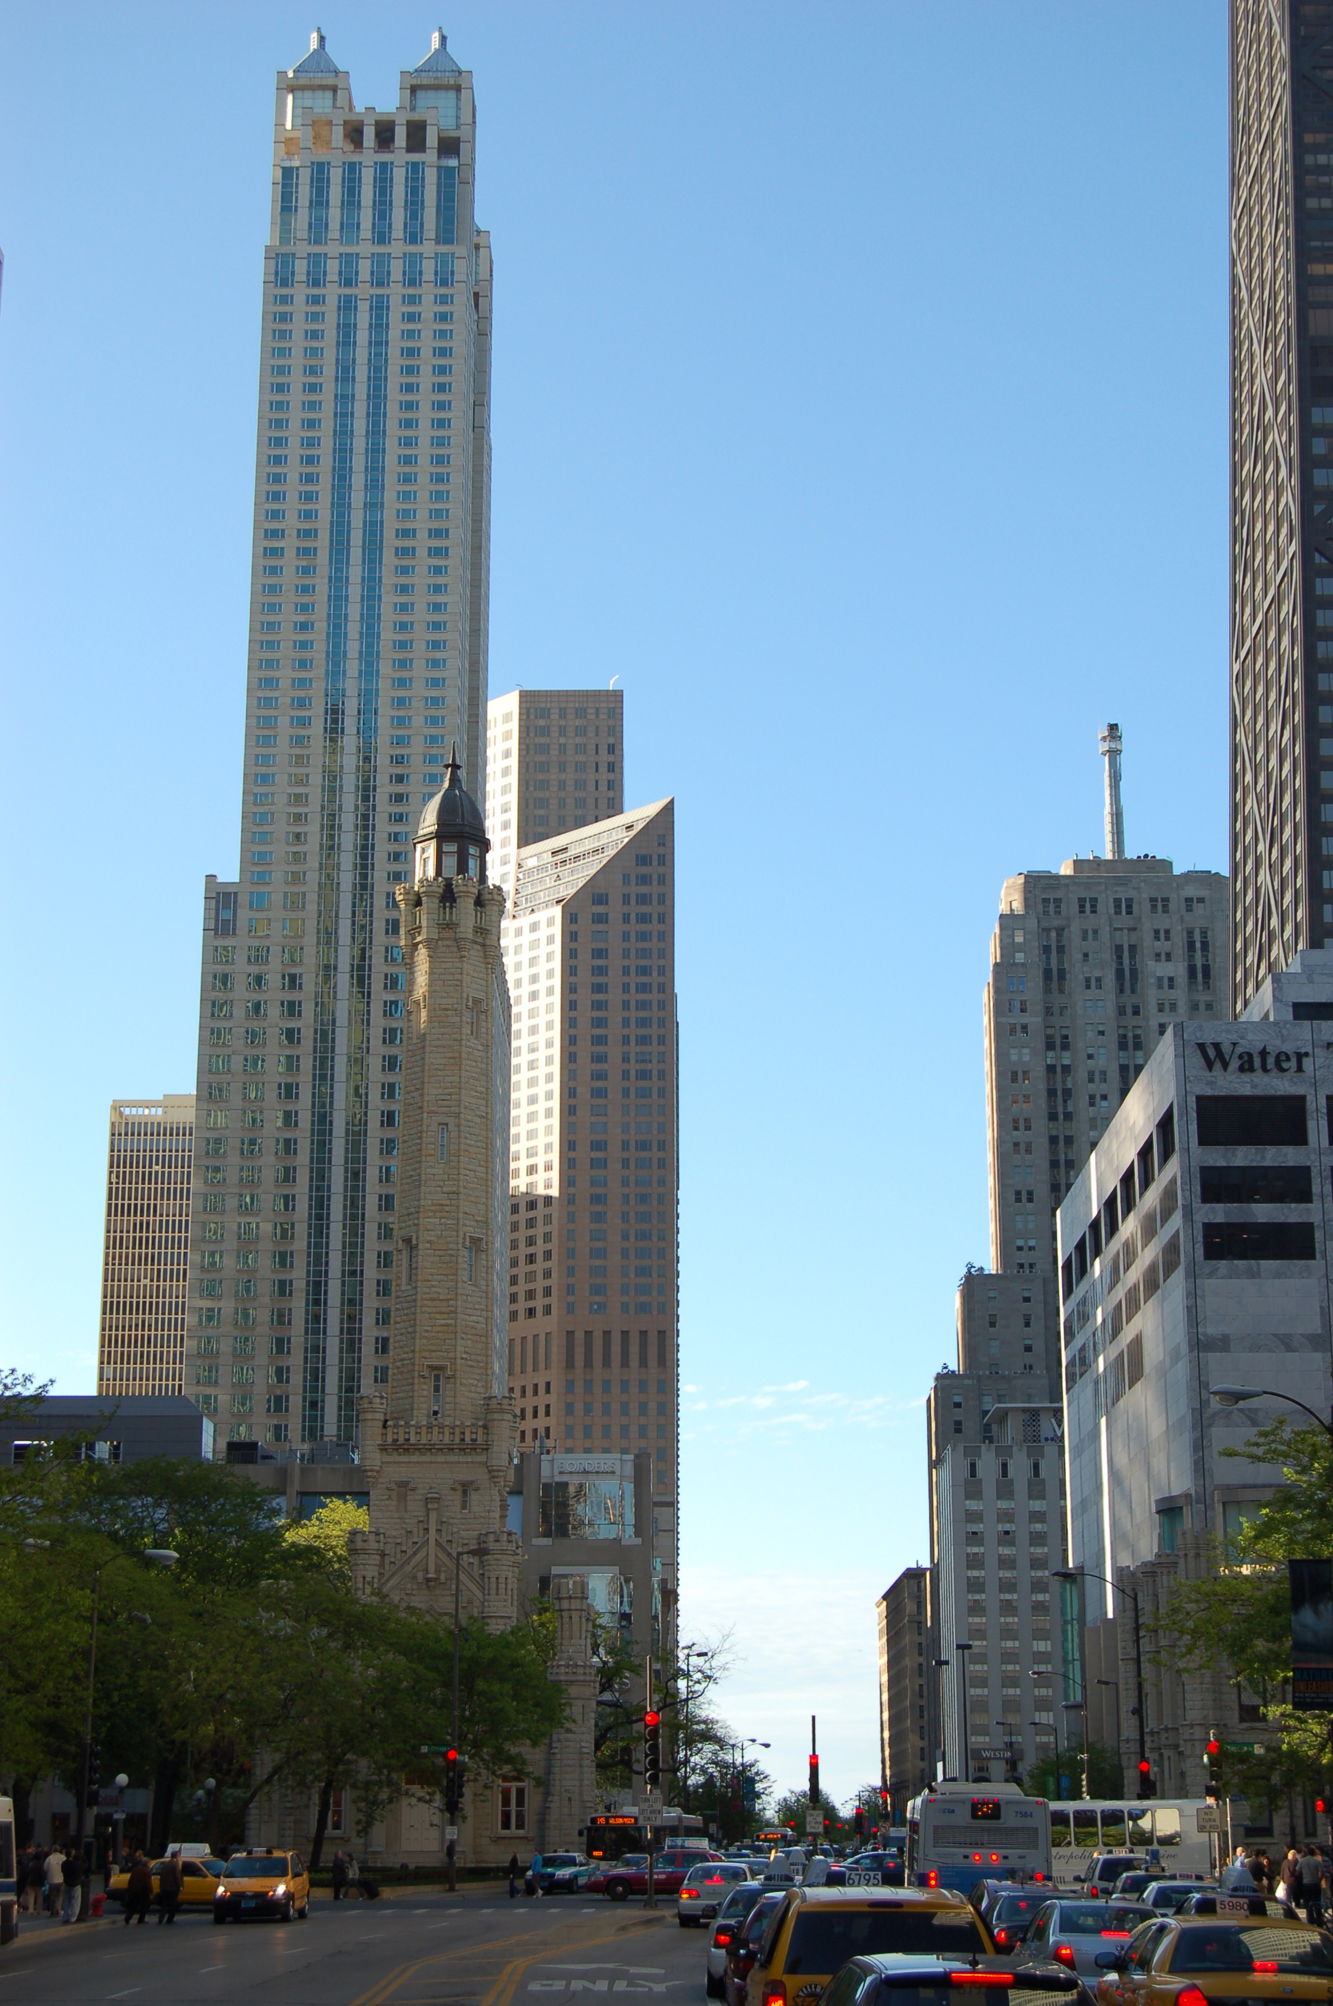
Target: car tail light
<point x="1115" y="1932"/>
<point x="932" y="1878"/>
<point x="981" y="1978"/>
<point x="1265" y="1964"/>
<point x="689" y="1894"/>
<point x="1002" y="1939"/>
<point x="1191" y="1996"/>
<point x="1064" y="1954"/>
<point x="774" y="1995"/>
<point x="722" y="1937"/>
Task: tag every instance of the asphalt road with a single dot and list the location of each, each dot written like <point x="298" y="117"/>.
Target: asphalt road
<point x="462" y="1950"/>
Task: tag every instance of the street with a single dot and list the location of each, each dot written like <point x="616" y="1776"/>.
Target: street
<point x="433" y="1950"/>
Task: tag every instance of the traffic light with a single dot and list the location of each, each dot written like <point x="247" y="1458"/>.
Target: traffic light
<point x="453" y="1782"/>
<point x="1212" y="1788"/>
<point x="814" y="1780"/>
<point x="859" y="1824"/>
<point x="1146" y="1785"/>
<point x="652" y="1749"/>
<point x="1321" y="1805"/>
<point x="828" y="1826"/>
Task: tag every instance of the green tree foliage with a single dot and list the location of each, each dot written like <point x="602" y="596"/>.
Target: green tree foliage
<point x="249" y="1660"/>
<point x="328" y="1531"/>
<point x="1239" y="1619"/>
<point x="1060" y="1775"/>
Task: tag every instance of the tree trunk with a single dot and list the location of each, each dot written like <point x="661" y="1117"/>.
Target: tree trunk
<point x="164" y="1804"/>
<point x="321" y="1821"/>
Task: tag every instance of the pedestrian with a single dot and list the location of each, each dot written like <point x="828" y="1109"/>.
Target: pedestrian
<point x="1310" y="1887"/>
<point x="534" y="1876"/>
<point x="339" y="1875"/>
<point x="1288" y="1884"/>
<point x="74" y="1873"/>
<point x="353" y="1872"/>
<point x="54" y="1879"/>
<point x="514" y="1871"/>
<point x="139" y="1893"/>
<point x="170" y="1881"/>
<point x="34" y="1879"/>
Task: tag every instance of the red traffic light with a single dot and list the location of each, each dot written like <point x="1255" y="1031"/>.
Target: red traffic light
<point x="1213" y="1748"/>
<point x="1320" y="1804"/>
<point x="652" y="1719"/>
<point x="1145" y="1768"/>
<point x="451" y="1756"/>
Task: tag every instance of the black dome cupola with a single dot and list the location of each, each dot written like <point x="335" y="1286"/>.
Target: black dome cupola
<point x="451" y="839"/>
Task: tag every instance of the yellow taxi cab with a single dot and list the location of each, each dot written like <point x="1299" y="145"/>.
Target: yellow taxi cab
<point x="262" y="1882"/>
<point x="1236" y="1951"/>
<point x="199" y="1878"/>
<point x="817" y="1930"/>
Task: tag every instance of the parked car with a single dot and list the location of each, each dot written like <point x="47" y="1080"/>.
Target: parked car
<point x="1074" y="1932"/>
<point x="703" y="1889"/>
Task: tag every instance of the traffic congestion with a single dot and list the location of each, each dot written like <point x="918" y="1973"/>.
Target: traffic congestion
<point x="971" y="1894"/>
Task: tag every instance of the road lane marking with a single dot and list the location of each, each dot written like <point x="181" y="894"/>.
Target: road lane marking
<point x="204" y="1969"/>
<point x="126" y="1994"/>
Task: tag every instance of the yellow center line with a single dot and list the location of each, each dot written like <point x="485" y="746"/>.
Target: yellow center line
<point x="502" y="1990"/>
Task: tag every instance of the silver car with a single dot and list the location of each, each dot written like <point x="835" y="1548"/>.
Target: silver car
<point x="705" y="1888"/>
<point x="728" y="1925"/>
<point x="1168" y="1896"/>
<point x="1072" y="1932"/>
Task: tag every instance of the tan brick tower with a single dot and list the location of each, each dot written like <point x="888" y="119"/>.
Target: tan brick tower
<point x="438" y="1442"/>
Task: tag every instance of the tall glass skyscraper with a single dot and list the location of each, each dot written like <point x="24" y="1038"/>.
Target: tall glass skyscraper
<point x="1282" y="484"/>
<point x="367" y="661"/>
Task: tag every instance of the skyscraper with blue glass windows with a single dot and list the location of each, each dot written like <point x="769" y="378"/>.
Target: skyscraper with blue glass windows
<point x="367" y="662"/>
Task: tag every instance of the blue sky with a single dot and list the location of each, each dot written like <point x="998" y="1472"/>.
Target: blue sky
<point x="860" y="402"/>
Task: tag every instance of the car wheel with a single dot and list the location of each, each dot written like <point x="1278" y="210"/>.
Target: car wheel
<point x="619" y="1891"/>
<point x="285" y="1914"/>
<point x="713" y="1987"/>
<point x="219" y="1919"/>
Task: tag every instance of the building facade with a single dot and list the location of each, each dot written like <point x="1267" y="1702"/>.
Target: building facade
<point x="905" y="1678"/>
<point x="1090" y="965"/>
<point x="367" y="661"/>
<point x="1281" y="484"/>
<point x="1194" y="1254"/>
<point x="593" y="1172"/>
<point x="142" y="1329"/>
<point x="557" y="761"/>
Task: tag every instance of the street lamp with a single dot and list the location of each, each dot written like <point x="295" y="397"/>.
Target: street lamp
<point x="1131" y="1596"/>
<point x="940" y="1665"/>
<point x="685" y="1752"/>
<point x="962" y="1684"/>
<point x="1232" y="1396"/>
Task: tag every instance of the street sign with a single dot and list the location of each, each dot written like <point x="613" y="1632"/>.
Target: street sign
<point x="1208" y="1818"/>
<point x="450" y="1832"/>
<point x="435" y="1747"/>
<point x="814" y="1826"/>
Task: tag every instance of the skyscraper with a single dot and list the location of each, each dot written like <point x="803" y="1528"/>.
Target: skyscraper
<point x="557" y="761"/>
<point x="589" y="952"/>
<point x="141" y="1341"/>
<point x="1281" y="484"/>
<point x="367" y="662"/>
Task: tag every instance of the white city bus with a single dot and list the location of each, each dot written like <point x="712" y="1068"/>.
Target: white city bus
<point x="956" y="1837"/>
<point x="9" y="1890"/>
<point x="1165" y="1831"/>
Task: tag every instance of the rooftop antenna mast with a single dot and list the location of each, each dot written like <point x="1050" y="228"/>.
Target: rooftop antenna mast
<point x="1112" y="746"/>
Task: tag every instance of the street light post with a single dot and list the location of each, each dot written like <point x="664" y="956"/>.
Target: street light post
<point x="962" y="1684"/>
<point x="1131" y="1596"/>
<point x="1233" y="1396"/>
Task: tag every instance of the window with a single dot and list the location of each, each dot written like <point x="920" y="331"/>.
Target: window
<point x="1228" y="1121"/>
<point x="1255" y="1184"/>
<point x="1258" y="1240"/>
<point x="512" y="1807"/>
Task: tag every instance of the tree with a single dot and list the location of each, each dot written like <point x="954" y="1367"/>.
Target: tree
<point x="327" y="1533"/>
<point x="1239" y="1619"/>
<point x="1059" y="1775"/>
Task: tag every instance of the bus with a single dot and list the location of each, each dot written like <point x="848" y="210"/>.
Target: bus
<point x="1164" y="1830"/>
<point x="620" y="1832"/>
<point x="956" y="1838"/>
<point x="9" y="1887"/>
<point x="776" y="1839"/>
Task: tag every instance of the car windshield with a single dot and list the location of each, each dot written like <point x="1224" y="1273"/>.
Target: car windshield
<point x="1017" y="1908"/>
<point x="740" y="1901"/>
<point x="823" y="1940"/>
<point x="1082" y="1919"/>
<point x="256" y="1866"/>
<point x="1238" y="1948"/>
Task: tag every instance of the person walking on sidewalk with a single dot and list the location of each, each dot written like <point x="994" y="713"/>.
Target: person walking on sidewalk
<point x="515" y="1871"/>
<point x="74" y="1875"/>
<point x="54" y="1877"/>
<point x="339" y="1875"/>
<point x="170" y="1881"/>
<point x="139" y="1892"/>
